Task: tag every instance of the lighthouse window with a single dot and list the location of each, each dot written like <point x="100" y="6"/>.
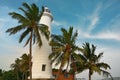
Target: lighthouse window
<point x="43" y="67"/>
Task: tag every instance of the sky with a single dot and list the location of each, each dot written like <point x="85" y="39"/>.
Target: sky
<point x="97" y="22"/>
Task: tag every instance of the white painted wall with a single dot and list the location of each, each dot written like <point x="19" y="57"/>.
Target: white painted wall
<point x="40" y="55"/>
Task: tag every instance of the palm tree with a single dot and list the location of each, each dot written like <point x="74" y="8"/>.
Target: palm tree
<point x="92" y="61"/>
<point x="24" y="66"/>
<point x="29" y="24"/>
<point x="21" y="67"/>
<point x="16" y="67"/>
<point x="63" y="48"/>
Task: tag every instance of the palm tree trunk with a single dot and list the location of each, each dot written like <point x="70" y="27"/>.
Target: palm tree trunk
<point x="67" y="65"/>
<point x="30" y="58"/>
<point x="74" y="67"/>
<point x="25" y="75"/>
<point x="89" y="74"/>
<point x="17" y="73"/>
<point x="59" y="71"/>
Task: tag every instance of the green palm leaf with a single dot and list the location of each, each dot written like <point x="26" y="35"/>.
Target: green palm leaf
<point x="16" y="29"/>
<point x="24" y="34"/>
<point x="92" y="60"/>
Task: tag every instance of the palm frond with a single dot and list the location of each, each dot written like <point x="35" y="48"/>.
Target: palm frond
<point x="27" y="41"/>
<point x="35" y="10"/>
<point x="99" y="56"/>
<point x="65" y="36"/>
<point x="93" y="49"/>
<point x="103" y="65"/>
<point x="34" y="38"/>
<point x="24" y="34"/>
<point x="40" y="13"/>
<point x="19" y="17"/>
<point x="59" y="59"/>
<point x="96" y="69"/>
<point x="38" y="37"/>
<point x="74" y="36"/>
<point x="53" y="57"/>
<point x="27" y="7"/>
<point x="57" y="49"/>
<point x="31" y="11"/>
<point x="70" y="31"/>
<point x="106" y="73"/>
<point x="45" y="31"/>
<point x="27" y="14"/>
<point x="58" y="38"/>
<point x="79" y="58"/>
<point x="55" y="43"/>
<point x="86" y="50"/>
<point x="14" y="30"/>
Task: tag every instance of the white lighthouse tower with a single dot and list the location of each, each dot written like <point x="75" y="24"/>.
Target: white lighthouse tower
<point x="42" y="69"/>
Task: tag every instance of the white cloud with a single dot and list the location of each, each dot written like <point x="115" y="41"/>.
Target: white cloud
<point x="94" y="17"/>
<point x="89" y="22"/>
<point x="110" y="29"/>
<point x="108" y="35"/>
<point x="59" y="24"/>
<point x="109" y="4"/>
<point x="56" y="23"/>
<point x="114" y="24"/>
<point x="94" y="21"/>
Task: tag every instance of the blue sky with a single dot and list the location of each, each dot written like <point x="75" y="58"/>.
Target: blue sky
<point x="97" y="22"/>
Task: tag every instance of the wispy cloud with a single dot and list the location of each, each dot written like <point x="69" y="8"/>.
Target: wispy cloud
<point x="94" y="17"/>
<point x="88" y="22"/>
<point x="107" y="35"/>
<point x="59" y="23"/>
<point x="108" y="4"/>
<point x="94" y="21"/>
<point x="56" y="23"/>
<point x="114" y="24"/>
<point x="110" y="29"/>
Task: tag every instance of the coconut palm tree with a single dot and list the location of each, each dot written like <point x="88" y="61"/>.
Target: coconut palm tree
<point x="63" y="48"/>
<point x="21" y="67"/>
<point x="24" y="66"/>
<point x="16" y="67"/>
<point x="29" y="24"/>
<point x="92" y="61"/>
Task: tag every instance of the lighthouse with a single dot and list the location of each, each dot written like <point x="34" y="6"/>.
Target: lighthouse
<point x="41" y="67"/>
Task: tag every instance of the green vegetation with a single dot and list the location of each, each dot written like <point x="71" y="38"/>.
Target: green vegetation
<point x="29" y="24"/>
<point x="9" y="75"/>
<point x="63" y="48"/>
<point x="92" y="61"/>
<point x="64" y="53"/>
<point x="19" y="69"/>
